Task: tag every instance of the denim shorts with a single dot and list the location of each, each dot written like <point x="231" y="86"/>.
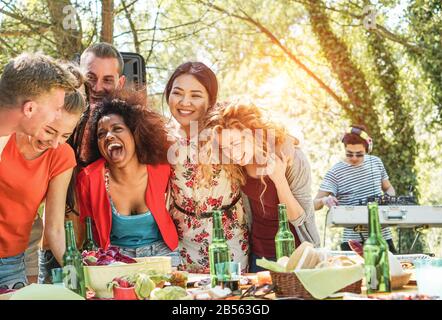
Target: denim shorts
<point x="158" y="248"/>
<point x="13" y="272"/>
<point x="46" y="262"/>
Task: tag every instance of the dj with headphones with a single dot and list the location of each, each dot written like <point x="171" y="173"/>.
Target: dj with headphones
<point x="358" y="176"/>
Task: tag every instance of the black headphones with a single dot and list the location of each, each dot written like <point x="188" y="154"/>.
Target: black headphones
<point x="363" y="135"/>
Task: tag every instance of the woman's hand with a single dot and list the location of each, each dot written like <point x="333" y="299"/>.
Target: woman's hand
<point x="278" y="167"/>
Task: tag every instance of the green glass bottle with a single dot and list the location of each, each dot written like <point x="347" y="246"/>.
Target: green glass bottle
<point x="73" y="274"/>
<point x="377" y="269"/>
<point x="284" y="239"/>
<point x="219" y="253"/>
<point x="89" y="243"/>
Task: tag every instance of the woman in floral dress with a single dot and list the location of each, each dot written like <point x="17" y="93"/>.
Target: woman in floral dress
<point x="197" y="189"/>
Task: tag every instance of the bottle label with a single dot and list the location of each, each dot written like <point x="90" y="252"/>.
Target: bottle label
<point x="372" y="278"/>
<point x="70" y="277"/>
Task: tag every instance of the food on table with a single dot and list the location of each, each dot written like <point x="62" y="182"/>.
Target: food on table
<point x="103" y="257"/>
<point x="178" y="278"/>
<point x="216" y="292"/>
<point x="219" y="293"/>
<point x="297" y="255"/>
<point x="402" y="296"/>
<point x="407" y="265"/>
<point x="337" y="261"/>
<point x="122" y="282"/>
<point x="305" y="257"/>
<point x="263" y="277"/>
<point x="244" y="280"/>
<point x="309" y="258"/>
<point x="141" y="282"/>
<point x="283" y="261"/>
<point x="399" y="281"/>
<point x="202" y="296"/>
<point x="356" y="247"/>
<point x="270" y="265"/>
<point x="194" y="268"/>
<point x="143" y="286"/>
<point x="170" y="293"/>
<point x="158" y="278"/>
<point x="5" y="291"/>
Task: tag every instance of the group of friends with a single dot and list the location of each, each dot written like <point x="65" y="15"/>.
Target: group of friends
<point x="79" y="140"/>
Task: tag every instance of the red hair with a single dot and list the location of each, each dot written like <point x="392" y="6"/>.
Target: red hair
<point x="353" y="138"/>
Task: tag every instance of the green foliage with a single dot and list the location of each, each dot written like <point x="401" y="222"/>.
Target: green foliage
<point x="394" y="90"/>
<point x="425" y="17"/>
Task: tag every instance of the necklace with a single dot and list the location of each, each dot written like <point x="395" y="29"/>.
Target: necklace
<point x="107" y="179"/>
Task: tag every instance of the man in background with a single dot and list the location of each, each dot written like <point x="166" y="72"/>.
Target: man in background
<point x="354" y="179"/>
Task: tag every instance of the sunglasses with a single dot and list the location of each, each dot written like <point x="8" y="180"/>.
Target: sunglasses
<point x="352" y="154"/>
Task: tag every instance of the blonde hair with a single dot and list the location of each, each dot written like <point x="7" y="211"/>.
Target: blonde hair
<point x="31" y="75"/>
<point x="243" y="116"/>
<point x="75" y="102"/>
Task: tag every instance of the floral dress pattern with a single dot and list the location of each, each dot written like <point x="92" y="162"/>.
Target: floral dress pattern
<point x="195" y="231"/>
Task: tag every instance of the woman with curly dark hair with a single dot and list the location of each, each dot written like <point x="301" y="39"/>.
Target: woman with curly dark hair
<point x="123" y="188"/>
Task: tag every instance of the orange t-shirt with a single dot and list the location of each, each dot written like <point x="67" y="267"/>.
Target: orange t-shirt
<point x="23" y="186"/>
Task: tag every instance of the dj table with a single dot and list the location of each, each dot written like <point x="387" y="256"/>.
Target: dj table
<point x="408" y="216"/>
<point x="417" y="217"/>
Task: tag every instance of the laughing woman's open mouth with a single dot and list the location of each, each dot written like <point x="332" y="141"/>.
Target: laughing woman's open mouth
<point x="115" y="151"/>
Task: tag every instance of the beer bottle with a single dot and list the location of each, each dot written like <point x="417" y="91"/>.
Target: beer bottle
<point x="219" y="253"/>
<point x="284" y="239"/>
<point x="377" y="270"/>
<point x="73" y="275"/>
<point x="89" y="243"/>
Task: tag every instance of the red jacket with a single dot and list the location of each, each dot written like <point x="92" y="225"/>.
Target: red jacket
<point x="94" y="202"/>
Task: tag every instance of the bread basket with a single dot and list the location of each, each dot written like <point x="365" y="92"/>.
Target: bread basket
<point x="287" y="284"/>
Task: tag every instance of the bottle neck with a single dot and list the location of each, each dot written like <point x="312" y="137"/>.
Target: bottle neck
<point x="218" y="231"/>
<point x="70" y="238"/>
<point x="374" y="226"/>
<point x="283" y="223"/>
<point x="89" y="229"/>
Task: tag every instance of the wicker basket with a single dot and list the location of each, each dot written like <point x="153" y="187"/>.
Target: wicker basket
<point x="287" y="284"/>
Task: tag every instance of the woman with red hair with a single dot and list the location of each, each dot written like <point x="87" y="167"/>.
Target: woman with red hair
<point x="272" y="169"/>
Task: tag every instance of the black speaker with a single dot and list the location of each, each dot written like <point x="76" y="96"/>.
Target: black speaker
<point x="134" y="69"/>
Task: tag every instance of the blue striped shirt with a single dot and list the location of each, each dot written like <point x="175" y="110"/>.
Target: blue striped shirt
<point x="350" y="184"/>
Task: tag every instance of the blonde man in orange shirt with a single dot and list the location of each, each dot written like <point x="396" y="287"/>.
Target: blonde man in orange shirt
<point x="33" y="170"/>
<point x="32" y="91"/>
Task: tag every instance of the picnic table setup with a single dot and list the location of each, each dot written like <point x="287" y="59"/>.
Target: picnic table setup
<point x="153" y="279"/>
<point x="370" y="271"/>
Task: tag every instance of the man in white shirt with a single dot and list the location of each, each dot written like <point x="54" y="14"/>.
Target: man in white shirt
<point x="354" y="179"/>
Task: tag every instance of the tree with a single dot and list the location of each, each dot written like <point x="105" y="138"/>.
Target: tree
<point x="66" y="28"/>
<point x="107" y="21"/>
<point x="404" y="147"/>
<point x="54" y="27"/>
<point x="426" y="20"/>
<point x="399" y="153"/>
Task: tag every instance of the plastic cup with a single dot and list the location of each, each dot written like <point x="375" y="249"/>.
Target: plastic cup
<point x="228" y="276"/>
<point x="429" y="277"/>
<point x="57" y="276"/>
